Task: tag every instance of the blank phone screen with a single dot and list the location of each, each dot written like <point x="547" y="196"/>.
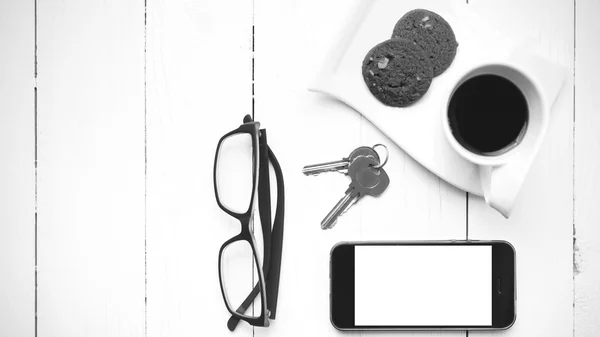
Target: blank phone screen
<point x="423" y="285"/>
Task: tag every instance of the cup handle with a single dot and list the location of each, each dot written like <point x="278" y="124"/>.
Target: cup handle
<point x="501" y="184"/>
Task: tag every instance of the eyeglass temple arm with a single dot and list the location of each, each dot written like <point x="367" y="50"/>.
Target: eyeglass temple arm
<point x="264" y="200"/>
<point x="275" y="263"/>
<point x="233" y="320"/>
<point x="276" y="240"/>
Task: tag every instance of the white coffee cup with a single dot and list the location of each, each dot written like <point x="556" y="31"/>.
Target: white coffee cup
<point x="502" y="172"/>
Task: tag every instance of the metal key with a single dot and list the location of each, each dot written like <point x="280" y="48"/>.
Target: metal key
<point x="340" y="165"/>
<point x="366" y="180"/>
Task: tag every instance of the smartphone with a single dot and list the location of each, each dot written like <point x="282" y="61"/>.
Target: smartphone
<point x="422" y="285"/>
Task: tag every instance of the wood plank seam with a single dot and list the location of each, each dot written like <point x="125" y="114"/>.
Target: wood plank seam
<point x="145" y="168"/>
<point x="253" y="118"/>
<point x="35" y="167"/>
<point x="575" y="249"/>
<point x="253" y="63"/>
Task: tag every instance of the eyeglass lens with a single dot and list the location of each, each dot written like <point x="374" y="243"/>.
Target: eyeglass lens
<point x="234" y="172"/>
<point x="239" y="274"/>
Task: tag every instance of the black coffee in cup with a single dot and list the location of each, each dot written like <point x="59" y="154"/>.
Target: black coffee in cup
<point x="488" y="114"/>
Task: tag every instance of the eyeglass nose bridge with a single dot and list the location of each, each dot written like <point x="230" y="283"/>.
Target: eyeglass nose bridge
<point x="246" y="222"/>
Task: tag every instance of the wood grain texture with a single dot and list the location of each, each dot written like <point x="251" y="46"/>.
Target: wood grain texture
<point x="540" y="227"/>
<point x="91" y="168"/>
<point x="199" y="88"/>
<point x="292" y="39"/>
<point x="91" y="172"/>
<point x="17" y="171"/>
<point x="587" y="181"/>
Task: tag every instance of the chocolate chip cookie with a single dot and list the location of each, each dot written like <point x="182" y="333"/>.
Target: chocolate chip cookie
<point x="432" y="33"/>
<point x="397" y="72"/>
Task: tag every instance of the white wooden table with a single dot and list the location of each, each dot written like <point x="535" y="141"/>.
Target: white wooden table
<point x="109" y="116"/>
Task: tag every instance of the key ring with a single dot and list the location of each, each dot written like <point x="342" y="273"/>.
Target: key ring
<point x="387" y="155"/>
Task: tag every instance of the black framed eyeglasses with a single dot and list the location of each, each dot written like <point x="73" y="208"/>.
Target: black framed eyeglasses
<point x="249" y="283"/>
